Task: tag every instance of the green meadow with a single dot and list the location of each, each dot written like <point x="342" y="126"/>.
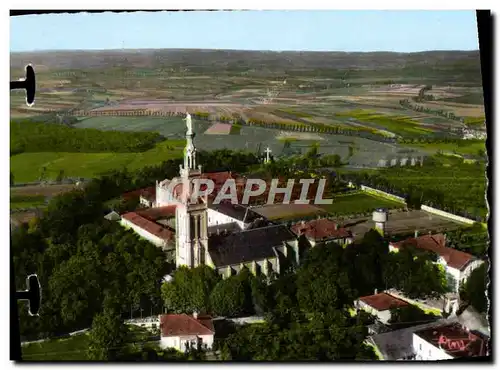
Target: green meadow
<point x="27" y="167"/>
<point x="358" y="202"/>
<point x="70" y="349"/>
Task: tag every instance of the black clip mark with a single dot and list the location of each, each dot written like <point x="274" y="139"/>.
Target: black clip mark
<point x="33" y="295"/>
<point x="29" y="84"/>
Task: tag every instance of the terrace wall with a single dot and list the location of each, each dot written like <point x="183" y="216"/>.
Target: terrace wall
<point x="382" y="193"/>
<point x="447" y="215"/>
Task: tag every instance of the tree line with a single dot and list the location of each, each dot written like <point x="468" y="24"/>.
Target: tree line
<point x="438" y="112"/>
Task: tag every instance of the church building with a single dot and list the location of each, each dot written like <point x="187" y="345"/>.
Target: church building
<point x="225" y="236"/>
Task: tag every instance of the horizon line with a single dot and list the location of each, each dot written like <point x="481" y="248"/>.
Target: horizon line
<point x="243" y="50"/>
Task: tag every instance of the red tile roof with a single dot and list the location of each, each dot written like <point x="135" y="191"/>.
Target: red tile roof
<point x="137" y="193"/>
<point x="437" y="243"/>
<point x="149" y="194"/>
<point x="321" y="229"/>
<point x="383" y="301"/>
<point x="153" y="214"/>
<point x="455" y="340"/>
<point x="218" y="177"/>
<point x="150" y="226"/>
<point x="178" y="325"/>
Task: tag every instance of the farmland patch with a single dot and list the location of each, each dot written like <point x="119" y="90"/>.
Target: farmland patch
<point x="218" y="129"/>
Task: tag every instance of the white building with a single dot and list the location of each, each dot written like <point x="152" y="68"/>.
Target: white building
<point x="458" y="265"/>
<point x="182" y="332"/>
<point x="447" y="342"/>
<point x="153" y="232"/>
<point x="380" y="305"/>
<point x="227" y="213"/>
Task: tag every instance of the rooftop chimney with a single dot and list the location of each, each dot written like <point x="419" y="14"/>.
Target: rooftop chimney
<point x="335" y="226"/>
<point x="375" y="292"/>
<point x="195" y="315"/>
<point x="218" y="231"/>
<point x="416" y="233"/>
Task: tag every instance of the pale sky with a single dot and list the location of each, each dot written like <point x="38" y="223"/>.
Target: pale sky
<point x="321" y="30"/>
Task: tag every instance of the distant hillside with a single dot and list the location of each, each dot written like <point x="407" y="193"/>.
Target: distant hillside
<point x="231" y="59"/>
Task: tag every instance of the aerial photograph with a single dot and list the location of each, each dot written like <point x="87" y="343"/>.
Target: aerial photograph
<point x="242" y="186"/>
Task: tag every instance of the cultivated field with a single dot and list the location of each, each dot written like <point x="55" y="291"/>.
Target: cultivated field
<point x="323" y="90"/>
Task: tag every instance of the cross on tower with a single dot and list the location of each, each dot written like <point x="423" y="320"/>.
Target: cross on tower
<point x="267" y="151"/>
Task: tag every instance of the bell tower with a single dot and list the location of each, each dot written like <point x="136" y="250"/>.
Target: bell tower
<point x="191" y="214"/>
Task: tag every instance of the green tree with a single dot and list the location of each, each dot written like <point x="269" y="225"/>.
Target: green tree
<point x="474" y="290"/>
<point x="190" y="289"/>
<point x="322" y="282"/>
<point x="408" y="316"/>
<point x="60" y="176"/>
<point x="229" y="297"/>
<point x="414" y="272"/>
<point x="107" y="336"/>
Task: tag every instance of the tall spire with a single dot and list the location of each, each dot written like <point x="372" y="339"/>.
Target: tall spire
<point x="189" y="167"/>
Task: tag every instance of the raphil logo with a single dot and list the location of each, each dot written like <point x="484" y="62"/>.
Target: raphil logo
<point x="203" y="188"/>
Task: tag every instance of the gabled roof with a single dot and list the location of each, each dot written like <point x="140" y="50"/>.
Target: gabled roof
<point x="321" y="229"/>
<point x="154" y="214"/>
<point x="236" y="211"/>
<point x="173" y="325"/>
<point x="437" y="244"/>
<point x="248" y="245"/>
<point x="149" y="226"/>
<point x="455" y="340"/>
<point x="383" y="301"/>
<point x="112" y="216"/>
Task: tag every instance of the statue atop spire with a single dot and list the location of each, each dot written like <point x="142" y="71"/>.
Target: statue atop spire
<point x="189" y="168"/>
<point x="189" y="124"/>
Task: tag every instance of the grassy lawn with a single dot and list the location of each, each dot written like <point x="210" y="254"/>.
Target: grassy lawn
<point x="472" y="148"/>
<point x="358" y="203"/>
<point x="27" y="167"/>
<point x="26" y="201"/>
<point x="75" y="348"/>
<point x="71" y="349"/>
